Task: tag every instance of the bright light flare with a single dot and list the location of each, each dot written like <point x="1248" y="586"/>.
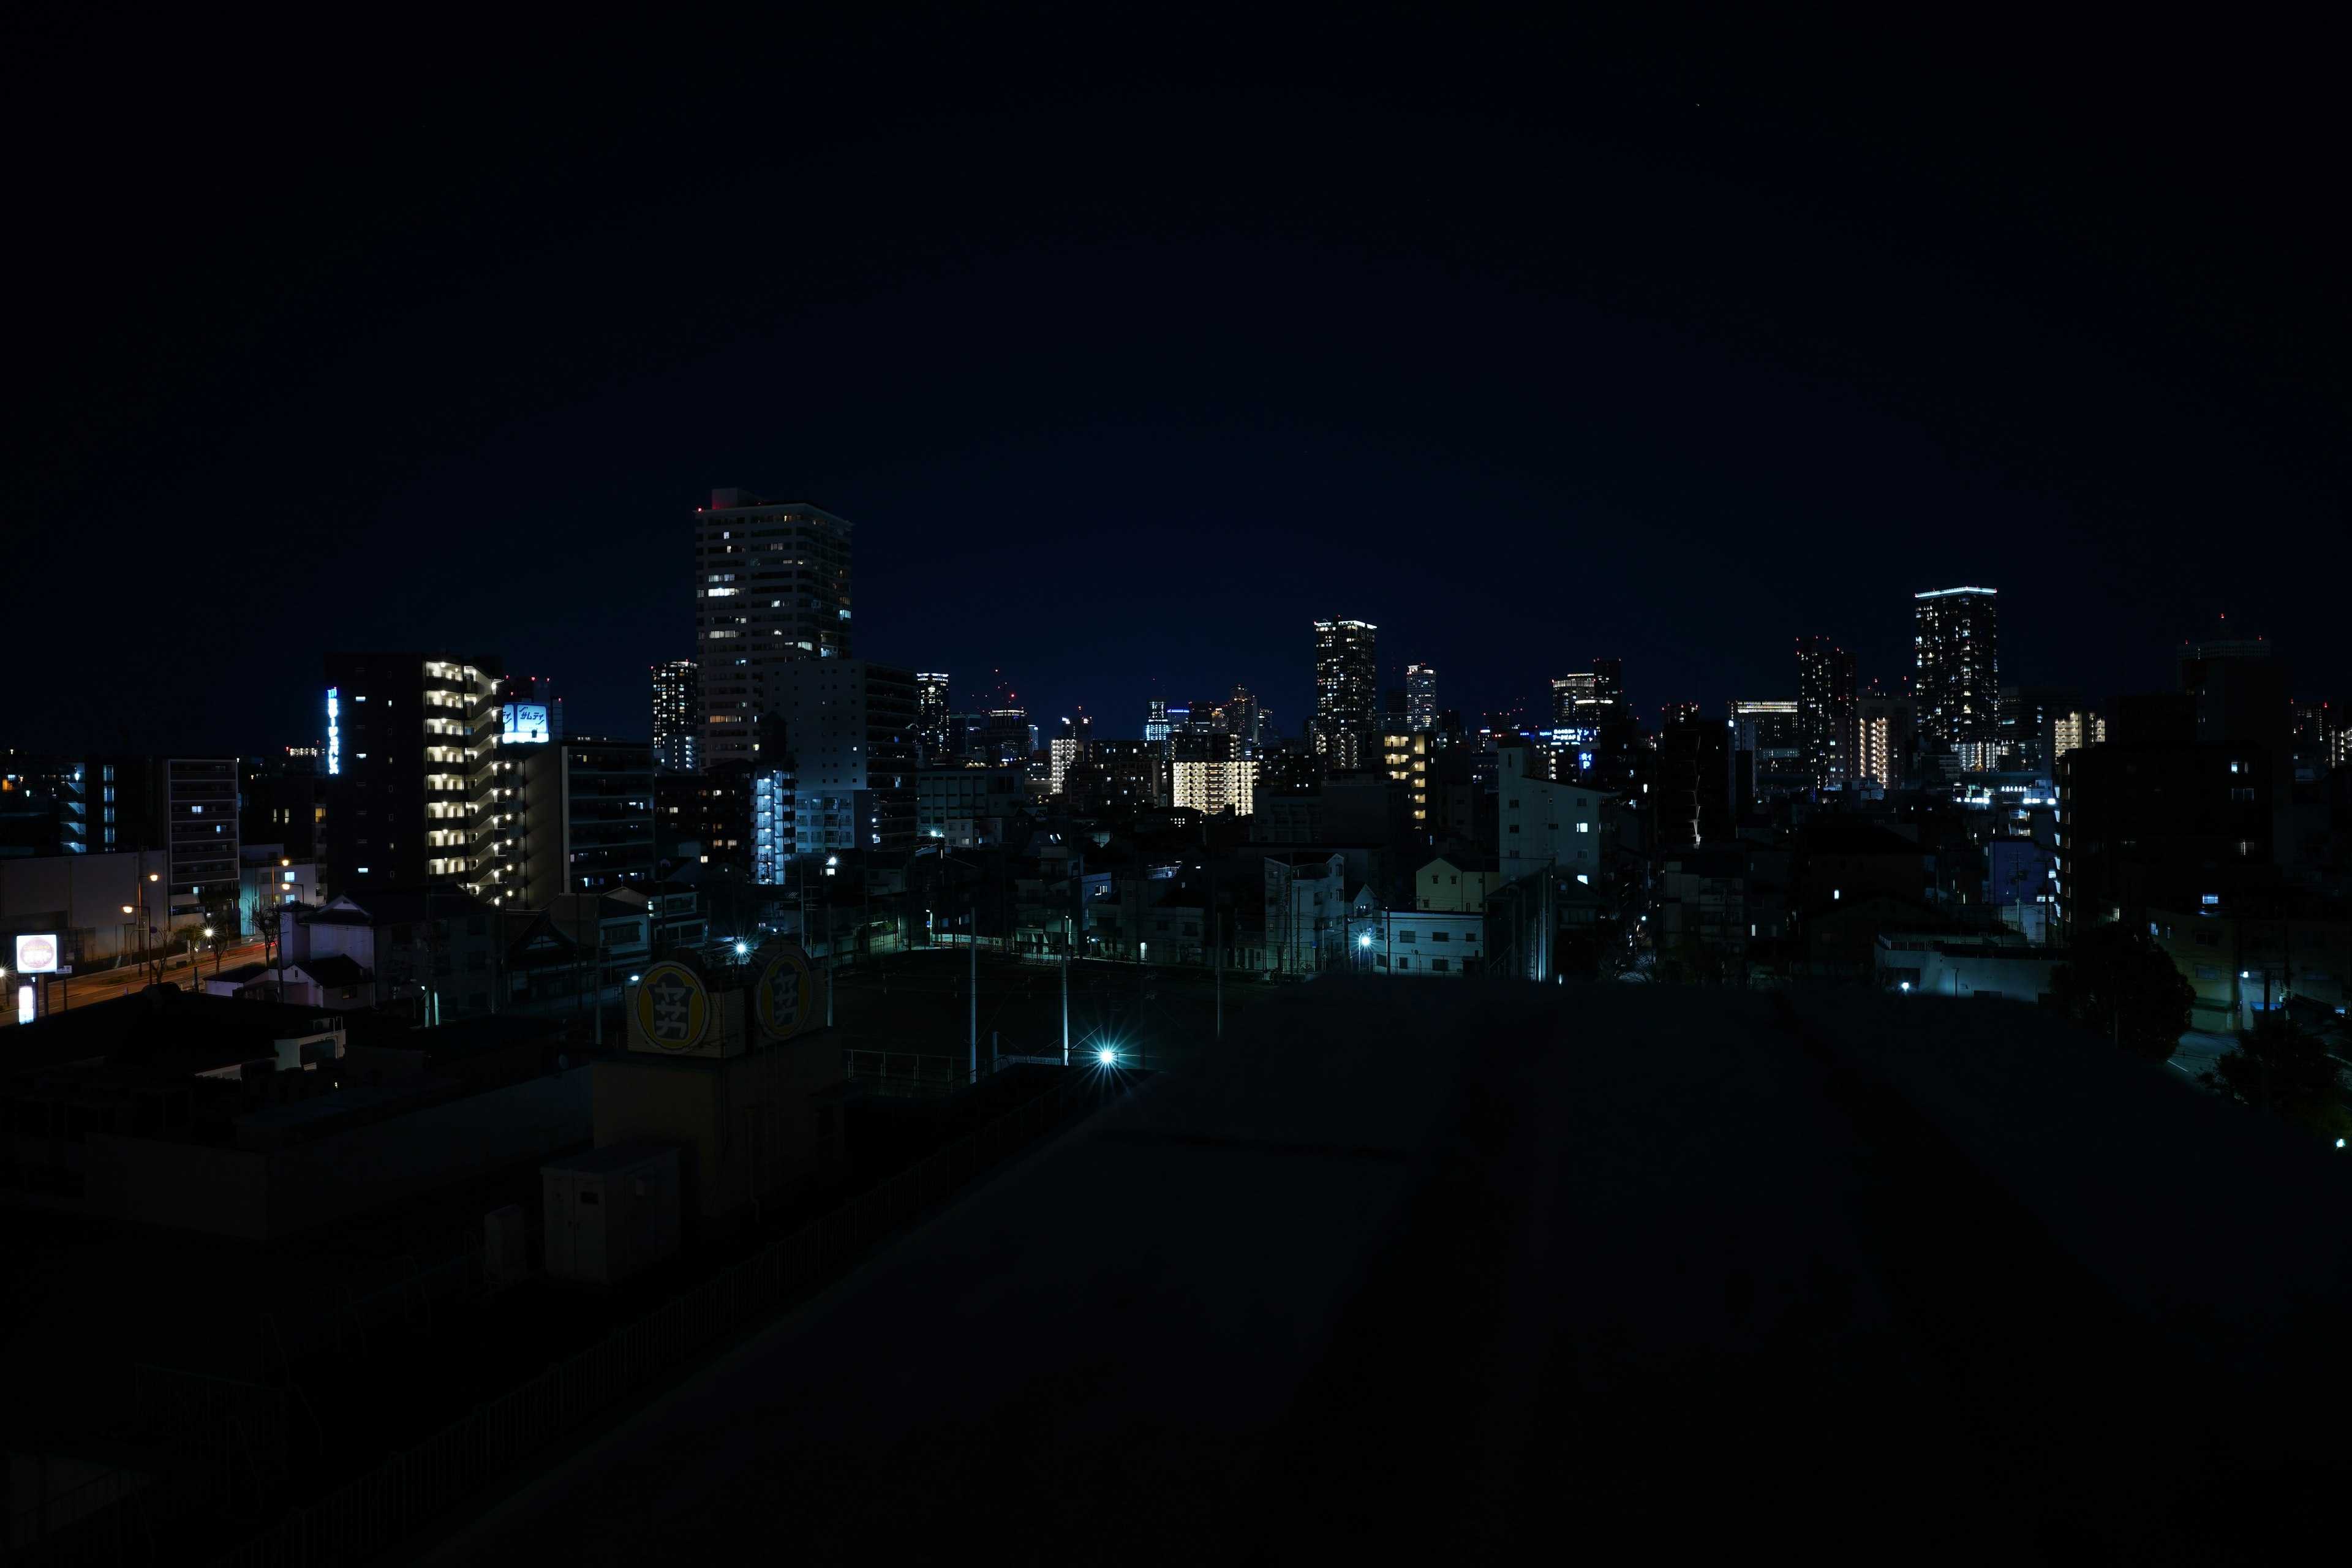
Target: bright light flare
<point x="1107" y="1056"/>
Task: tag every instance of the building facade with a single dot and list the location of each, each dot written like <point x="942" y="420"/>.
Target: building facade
<point x="964" y="808"/>
<point x="771" y="589"/>
<point x="1957" y="644"/>
<point x="678" y="716"/>
<point x="1770" y="735"/>
<point x="415" y="792"/>
<point x="586" y="807"/>
<point x="1546" y="824"/>
<point x="1211" y="773"/>
<point x="850" y="724"/>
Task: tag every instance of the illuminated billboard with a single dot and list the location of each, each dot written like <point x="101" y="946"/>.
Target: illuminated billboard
<point x="334" y="729"/>
<point x="526" y="724"/>
<point x="36" y="954"/>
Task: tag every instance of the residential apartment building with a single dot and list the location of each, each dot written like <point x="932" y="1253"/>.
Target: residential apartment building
<point x="1307" y="912"/>
<point x="1826" y="737"/>
<point x="1405" y="760"/>
<point x="1426" y="944"/>
<point x="964" y="808"/>
<point x="1883" y="728"/>
<point x="1546" y="824"/>
<point x="414" y="793"/>
<point x="1957" y="644"/>
<point x="1420" y="697"/>
<point x="1347" y="696"/>
<point x="932" y="731"/>
<point x="1210" y="774"/>
<point x="1770" y="736"/>
<point x="850" y="725"/>
<point x="586" y="807"/>
<point x="772" y="590"/>
<point x="1130" y="773"/>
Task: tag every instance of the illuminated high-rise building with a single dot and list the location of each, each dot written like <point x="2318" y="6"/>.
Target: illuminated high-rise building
<point x="771" y="588"/>
<point x="1347" y="694"/>
<point x="1574" y="696"/>
<point x="1210" y="774"/>
<point x="2074" y="730"/>
<point x="1958" y="686"/>
<point x="1826" y="738"/>
<point x="678" y="716"/>
<point x="932" y="728"/>
<point x="1420" y="697"/>
<point x="416" y="788"/>
<point x="1883" y="727"/>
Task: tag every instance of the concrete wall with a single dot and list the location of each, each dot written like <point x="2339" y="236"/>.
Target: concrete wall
<point x="258" y="1196"/>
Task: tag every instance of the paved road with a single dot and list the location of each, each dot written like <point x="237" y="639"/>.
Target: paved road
<point x="81" y="989"/>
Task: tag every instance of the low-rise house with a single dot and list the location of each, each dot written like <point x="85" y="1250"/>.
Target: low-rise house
<point x="1421" y="942"/>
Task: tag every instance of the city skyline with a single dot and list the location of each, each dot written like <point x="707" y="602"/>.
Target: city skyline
<point x="1699" y="365"/>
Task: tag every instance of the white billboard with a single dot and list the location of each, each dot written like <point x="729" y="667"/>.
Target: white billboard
<point x="526" y="724"/>
<point x="37" y="955"/>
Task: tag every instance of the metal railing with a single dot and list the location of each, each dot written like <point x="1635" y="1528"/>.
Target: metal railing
<point x="440" y="1473"/>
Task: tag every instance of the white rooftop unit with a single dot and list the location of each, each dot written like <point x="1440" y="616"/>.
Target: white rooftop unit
<point x="611" y="1212"/>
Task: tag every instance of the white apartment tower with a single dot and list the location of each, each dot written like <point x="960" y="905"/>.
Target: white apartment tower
<point x="771" y="588"/>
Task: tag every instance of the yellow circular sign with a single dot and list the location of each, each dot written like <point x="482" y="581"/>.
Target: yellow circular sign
<point x="782" y="996"/>
<point x="672" y="1007"/>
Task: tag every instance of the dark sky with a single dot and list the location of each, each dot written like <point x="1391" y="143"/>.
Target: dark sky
<point x="1132" y="348"/>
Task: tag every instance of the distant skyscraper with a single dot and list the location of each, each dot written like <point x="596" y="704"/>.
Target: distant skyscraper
<point x="1242" y="715"/>
<point x="1067" y="749"/>
<point x="678" y="716"/>
<point x="1825" y="711"/>
<point x="1883" y="727"/>
<point x="1958" y="690"/>
<point x="1420" y="697"/>
<point x="932" y="726"/>
<point x="1155" y="721"/>
<point x="1772" y="732"/>
<point x="1347" y="696"/>
<point x="1573" y="696"/>
<point x="1009" y="737"/>
<point x="771" y="587"/>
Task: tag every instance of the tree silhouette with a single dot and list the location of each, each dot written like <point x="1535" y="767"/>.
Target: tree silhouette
<point x="2117" y="983"/>
<point x="2280" y="1066"/>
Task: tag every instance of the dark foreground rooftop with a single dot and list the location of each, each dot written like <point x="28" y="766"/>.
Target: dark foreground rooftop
<point x="1477" y="1272"/>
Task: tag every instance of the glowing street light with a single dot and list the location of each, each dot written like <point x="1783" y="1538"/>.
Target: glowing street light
<point x="1107" y="1055"/>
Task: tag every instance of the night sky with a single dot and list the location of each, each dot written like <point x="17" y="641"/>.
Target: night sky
<point x="1131" y="349"/>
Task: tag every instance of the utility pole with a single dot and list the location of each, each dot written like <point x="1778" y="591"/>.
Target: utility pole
<point x="1066" y="1003"/>
<point x="971" y="938"/>
<point x="1217" y="926"/>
